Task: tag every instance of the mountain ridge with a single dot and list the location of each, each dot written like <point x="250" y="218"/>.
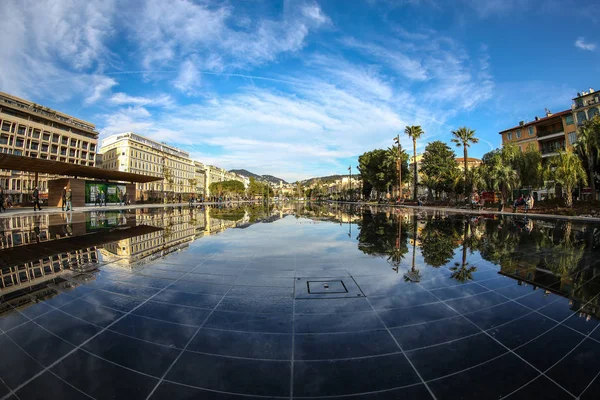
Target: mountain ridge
<point x="262" y="178"/>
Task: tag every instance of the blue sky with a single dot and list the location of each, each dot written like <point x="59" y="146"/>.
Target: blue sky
<point x="299" y="88"/>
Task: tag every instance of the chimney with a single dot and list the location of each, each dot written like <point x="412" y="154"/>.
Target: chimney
<point x="521" y="123"/>
<point x="578" y="94"/>
<point x="591" y="90"/>
<point x="548" y="112"/>
<point x="537" y="118"/>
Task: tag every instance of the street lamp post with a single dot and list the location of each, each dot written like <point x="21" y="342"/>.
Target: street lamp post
<point x="350" y="180"/>
<point x="399" y="166"/>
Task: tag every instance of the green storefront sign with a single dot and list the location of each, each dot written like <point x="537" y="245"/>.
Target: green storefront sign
<point x="111" y="191"/>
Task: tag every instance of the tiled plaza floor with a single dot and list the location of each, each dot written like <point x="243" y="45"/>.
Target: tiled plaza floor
<point x="231" y="317"/>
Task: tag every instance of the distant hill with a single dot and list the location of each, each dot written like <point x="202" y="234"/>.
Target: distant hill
<point x="323" y="179"/>
<point x="262" y="178"/>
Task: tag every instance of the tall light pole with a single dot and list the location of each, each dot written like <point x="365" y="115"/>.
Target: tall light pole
<point x="350" y="180"/>
<point x="399" y="166"/>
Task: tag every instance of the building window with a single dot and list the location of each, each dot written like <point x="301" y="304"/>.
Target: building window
<point x="64" y="141"/>
<point x="35" y="134"/>
<point x="509" y="136"/>
<point x="569" y="119"/>
<point x="6" y="126"/>
<point x="581" y="117"/>
<point x="592" y="112"/>
<point x="518" y="134"/>
<point x="572" y="137"/>
<point x="530" y="130"/>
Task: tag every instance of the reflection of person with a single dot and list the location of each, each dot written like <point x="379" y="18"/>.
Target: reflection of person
<point x="120" y="195"/>
<point x="68" y="200"/>
<point x="36" y="199"/>
<point x="9" y="201"/>
<point x="64" y="198"/>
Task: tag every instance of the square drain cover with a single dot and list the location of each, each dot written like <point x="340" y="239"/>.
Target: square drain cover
<point x="325" y="287"/>
<point x="317" y="287"/>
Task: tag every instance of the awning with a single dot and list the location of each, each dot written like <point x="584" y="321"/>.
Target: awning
<point x="28" y="164"/>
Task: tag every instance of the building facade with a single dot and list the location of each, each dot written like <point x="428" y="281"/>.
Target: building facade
<point x="550" y="134"/>
<point x="585" y="106"/>
<point x="130" y="152"/>
<point x="215" y="174"/>
<point x="28" y="129"/>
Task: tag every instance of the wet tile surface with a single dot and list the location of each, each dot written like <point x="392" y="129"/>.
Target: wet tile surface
<point x="221" y="316"/>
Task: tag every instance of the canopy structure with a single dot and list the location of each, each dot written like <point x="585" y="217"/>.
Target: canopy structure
<point x="38" y="165"/>
<point x="36" y="251"/>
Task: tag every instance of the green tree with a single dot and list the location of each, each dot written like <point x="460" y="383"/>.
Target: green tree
<point x="530" y="169"/>
<point x="414" y="132"/>
<point x="464" y="137"/>
<point x="566" y="170"/>
<point x="378" y="169"/>
<point x="588" y="144"/>
<point x="500" y="171"/>
<point x="438" y="167"/>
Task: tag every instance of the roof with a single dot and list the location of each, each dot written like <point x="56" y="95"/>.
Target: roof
<point x="28" y="164"/>
<point x="469" y="159"/>
<point x="558" y="114"/>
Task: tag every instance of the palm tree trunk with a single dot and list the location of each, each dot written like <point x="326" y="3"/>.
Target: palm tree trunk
<point x="464" y="249"/>
<point x="466" y="172"/>
<point x="591" y="172"/>
<point x="415" y="168"/>
<point x="414" y="240"/>
<point x="569" y="197"/>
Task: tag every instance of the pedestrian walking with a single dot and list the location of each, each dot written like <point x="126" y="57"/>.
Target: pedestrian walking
<point x="102" y="199"/>
<point x="2" y="208"/>
<point x="36" y="199"/>
<point x="68" y="197"/>
<point x="64" y="198"/>
<point x="120" y="195"/>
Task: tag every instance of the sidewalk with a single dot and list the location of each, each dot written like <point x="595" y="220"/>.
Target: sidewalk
<point x="23" y="211"/>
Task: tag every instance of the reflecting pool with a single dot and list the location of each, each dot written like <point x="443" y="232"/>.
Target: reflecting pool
<point x="298" y="301"/>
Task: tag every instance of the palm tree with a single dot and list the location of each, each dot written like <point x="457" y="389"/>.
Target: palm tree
<point x="566" y="170"/>
<point x="588" y="143"/>
<point x="393" y="162"/>
<point x="464" y="137"/>
<point x="414" y="132"/>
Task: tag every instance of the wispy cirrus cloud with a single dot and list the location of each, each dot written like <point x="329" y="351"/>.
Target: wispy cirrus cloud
<point x="582" y="44"/>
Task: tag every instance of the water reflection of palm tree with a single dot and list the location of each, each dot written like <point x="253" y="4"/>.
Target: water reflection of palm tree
<point x="414" y="275"/>
<point x="464" y="273"/>
<point x="397" y="254"/>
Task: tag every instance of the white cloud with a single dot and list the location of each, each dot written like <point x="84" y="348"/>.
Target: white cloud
<point x="99" y="86"/>
<point x="188" y="79"/>
<point x="48" y="51"/>
<point x="580" y="43"/>
<point x="161" y="100"/>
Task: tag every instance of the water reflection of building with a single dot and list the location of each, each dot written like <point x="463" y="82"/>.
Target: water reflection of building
<point x="180" y="227"/>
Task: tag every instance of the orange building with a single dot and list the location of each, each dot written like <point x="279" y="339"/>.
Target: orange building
<point x="554" y="132"/>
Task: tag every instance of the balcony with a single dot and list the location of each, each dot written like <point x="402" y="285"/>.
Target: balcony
<point x="550" y="149"/>
<point x="550" y="135"/>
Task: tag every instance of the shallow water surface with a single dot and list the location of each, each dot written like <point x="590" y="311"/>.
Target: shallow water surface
<point x="298" y="301"/>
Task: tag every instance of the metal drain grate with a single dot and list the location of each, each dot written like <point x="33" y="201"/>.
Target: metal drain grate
<point x="329" y="287"/>
<point x="326" y="287"/>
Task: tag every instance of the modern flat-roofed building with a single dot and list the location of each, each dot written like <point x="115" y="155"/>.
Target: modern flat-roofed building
<point x="31" y="130"/>
<point x="130" y="152"/>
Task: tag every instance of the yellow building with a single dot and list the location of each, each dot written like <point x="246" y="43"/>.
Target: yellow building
<point x="554" y="132"/>
<point x="471" y="163"/>
<point x="585" y="106"/>
<point x="216" y="174"/>
<point x="28" y="129"/>
<point x="130" y="152"/>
